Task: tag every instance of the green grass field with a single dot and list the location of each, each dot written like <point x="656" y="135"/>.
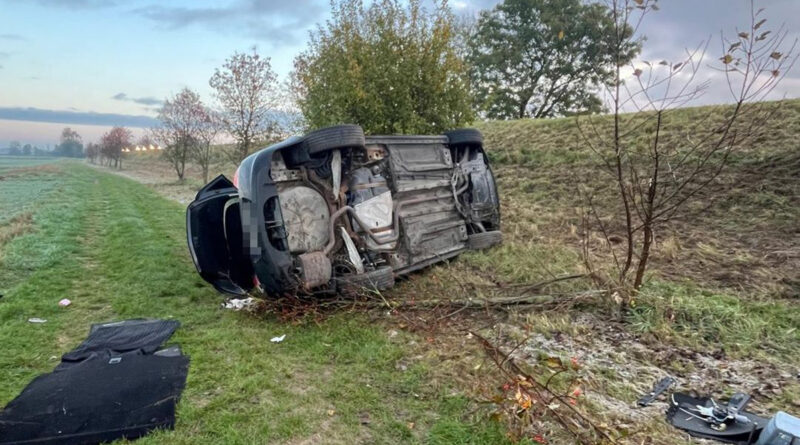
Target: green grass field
<point x="719" y="310"/>
<point x="118" y="251"/>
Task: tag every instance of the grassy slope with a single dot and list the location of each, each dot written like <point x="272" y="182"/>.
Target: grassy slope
<point x="117" y="250"/>
<point x="744" y="245"/>
<point x="724" y="282"/>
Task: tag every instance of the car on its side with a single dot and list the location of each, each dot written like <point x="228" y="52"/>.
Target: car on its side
<point x="334" y="210"/>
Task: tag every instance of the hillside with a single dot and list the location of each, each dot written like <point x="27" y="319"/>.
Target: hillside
<point x="746" y="240"/>
<point x="718" y="311"/>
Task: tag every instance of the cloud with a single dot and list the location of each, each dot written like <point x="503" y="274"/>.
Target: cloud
<point x="139" y="100"/>
<point x="78" y="4"/>
<point x="8" y="36"/>
<point x="75" y="117"/>
<point x="275" y="21"/>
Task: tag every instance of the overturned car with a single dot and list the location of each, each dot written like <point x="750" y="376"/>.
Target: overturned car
<point x="334" y="210"/>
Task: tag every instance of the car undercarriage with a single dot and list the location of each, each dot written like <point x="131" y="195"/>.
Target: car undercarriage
<point x="334" y="211"/>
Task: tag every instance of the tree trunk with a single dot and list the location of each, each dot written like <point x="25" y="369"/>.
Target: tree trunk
<point x="523" y="104"/>
<point x="644" y="256"/>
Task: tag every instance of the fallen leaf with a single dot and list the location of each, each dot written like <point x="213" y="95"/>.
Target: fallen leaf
<point x="554" y="362"/>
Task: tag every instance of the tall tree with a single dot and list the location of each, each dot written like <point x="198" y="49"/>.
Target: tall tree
<point x="113" y="142"/>
<point x="544" y="58"/>
<point x="92" y="151"/>
<point x="391" y="67"/>
<point x="248" y="94"/>
<point x="180" y="120"/>
<point x="70" y="144"/>
<point x="202" y="152"/>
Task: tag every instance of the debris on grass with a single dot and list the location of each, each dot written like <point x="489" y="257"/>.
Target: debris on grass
<point x="64" y="302"/>
<point x="37" y="320"/>
<point x="278" y="339"/>
<point x="238" y="304"/>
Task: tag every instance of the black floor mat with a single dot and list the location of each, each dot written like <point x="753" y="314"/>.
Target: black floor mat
<point x="123" y="387"/>
<point x="122" y="336"/>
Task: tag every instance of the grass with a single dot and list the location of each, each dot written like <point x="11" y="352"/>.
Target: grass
<point x="739" y="237"/>
<point x="117" y="250"/>
<point x="719" y="310"/>
<point x="690" y="316"/>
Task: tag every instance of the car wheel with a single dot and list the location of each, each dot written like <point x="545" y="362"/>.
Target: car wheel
<point x="331" y="138"/>
<point x="378" y="279"/>
<point x="465" y="136"/>
<point x="484" y="240"/>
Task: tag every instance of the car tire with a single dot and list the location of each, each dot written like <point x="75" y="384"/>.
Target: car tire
<point x="465" y="136"/>
<point x="378" y="279"/>
<point x="484" y="240"/>
<point x="331" y="138"/>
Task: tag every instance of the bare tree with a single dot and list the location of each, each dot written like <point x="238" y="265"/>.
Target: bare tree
<point x="92" y="151"/>
<point x="112" y="144"/>
<point x="656" y="176"/>
<point x="180" y="121"/>
<point x="146" y="141"/>
<point x="207" y="132"/>
<point x="248" y="94"/>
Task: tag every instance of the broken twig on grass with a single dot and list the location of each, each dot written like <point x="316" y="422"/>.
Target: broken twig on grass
<point x="531" y="392"/>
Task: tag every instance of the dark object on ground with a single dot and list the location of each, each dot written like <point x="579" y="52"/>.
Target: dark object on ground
<point x="332" y="209"/>
<point x="120" y="337"/>
<point x="660" y="386"/>
<point x="116" y="384"/>
<point x="705" y="418"/>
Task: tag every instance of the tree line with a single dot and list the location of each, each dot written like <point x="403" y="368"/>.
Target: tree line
<point x="397" y="67"/>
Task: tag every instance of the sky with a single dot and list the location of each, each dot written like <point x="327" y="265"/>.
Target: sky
<point x="92" y="64"/>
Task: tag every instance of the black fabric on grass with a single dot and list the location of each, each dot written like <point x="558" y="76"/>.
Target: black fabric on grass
<point x="122" y="336"/>
<point x="105" y="396"/>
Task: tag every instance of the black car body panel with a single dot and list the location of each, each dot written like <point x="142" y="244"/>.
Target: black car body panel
<point x="214" y="230"/>
<point x="314" y="213"/>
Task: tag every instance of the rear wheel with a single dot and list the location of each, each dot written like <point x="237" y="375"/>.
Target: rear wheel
<point x="378" y="279"/>
<point x="484" y="240"/>
<point x="331" y="138"/>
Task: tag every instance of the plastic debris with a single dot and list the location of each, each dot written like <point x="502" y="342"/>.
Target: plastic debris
<point x="238" y="304"/>
<point x="64" y="302"/>
<point x="277" y="339"/>
<point x="37" y="320"/>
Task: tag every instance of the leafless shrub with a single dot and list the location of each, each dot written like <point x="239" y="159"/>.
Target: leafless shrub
<point x="655" y="177"/>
